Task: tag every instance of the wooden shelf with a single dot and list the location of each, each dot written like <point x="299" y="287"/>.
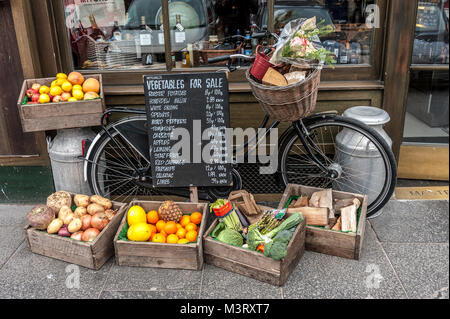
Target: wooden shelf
<point x="429" y="67"/>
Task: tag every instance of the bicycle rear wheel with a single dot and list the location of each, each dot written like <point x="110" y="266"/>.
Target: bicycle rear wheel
<point x="361" y="159"/>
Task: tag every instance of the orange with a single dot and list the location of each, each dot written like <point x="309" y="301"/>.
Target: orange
<point x="152" y="217"/>
<point x="158" y="238"/>
<point x="44" y="98"/>
<point x="181" y="233"/>
<point x="75" y="78"/>
<point x="160" y="225"/>
<point x="190" y="226"/>
<point x="182" y="241"/>
<point x="153" y="229"/>
<point x="170" y="227"/>
<point x="91" y="85"/>
<point x="191" y="235"/>
<point x="196" y="218"/>
<point x="172" y="239"/>
<point x="162" y="232"/>
<point x="185" y="219"/>
<point x="179" y="226"/>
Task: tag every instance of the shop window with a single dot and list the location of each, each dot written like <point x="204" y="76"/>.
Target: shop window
<point x="201" y="29"/>
<point x="115" y="34"/>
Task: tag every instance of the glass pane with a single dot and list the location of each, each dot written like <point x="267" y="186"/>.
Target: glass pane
<point x="115" y="34"/>
<point x="427" y="113"/>
<point x="354" y="22"/>
<point x="201" y="29"/>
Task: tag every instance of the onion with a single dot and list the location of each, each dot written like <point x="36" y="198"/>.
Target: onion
<point x="77" y="236"/>
<point x="110" y="213"/>
<point x="99" y="221"/>
<point x="64" y="232"/>
<point x="90" y="234"/>
<point x="86" y="222"/>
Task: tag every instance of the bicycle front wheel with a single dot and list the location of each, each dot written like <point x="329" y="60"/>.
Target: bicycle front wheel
<point x="361" y="159"/>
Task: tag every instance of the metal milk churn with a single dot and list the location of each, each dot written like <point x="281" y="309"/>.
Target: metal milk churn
<point x="363" y="163"/>
<point x="65" y="152"/>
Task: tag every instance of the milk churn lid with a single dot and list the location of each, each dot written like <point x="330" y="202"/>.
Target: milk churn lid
<point x="368" y="114"/>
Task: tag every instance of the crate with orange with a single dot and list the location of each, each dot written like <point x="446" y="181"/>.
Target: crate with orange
<point x="161" y="234"/>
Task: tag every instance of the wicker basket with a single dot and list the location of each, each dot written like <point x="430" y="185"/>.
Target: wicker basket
<point x="288" y="103"/>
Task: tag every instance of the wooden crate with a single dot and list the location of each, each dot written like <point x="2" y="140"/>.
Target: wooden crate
<point x="53" y="116"/>
<point x="91" y="255"/>
<point x="254" y="264"/>
<point x="162" y="255"/>
<point x="327" y="241"/>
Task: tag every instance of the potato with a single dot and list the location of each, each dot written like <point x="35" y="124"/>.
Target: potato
<point x="80" y="212"/>
<point x="63" y="212"/>
<point x="81" y="200"/>
<point x="93" y="209"/>
<point x="56" y="200"/>
<point x="54" y="226"/>
<point x="68" y="219"/>
<point x="97" y="199"/>
<point x="74" y="225"/>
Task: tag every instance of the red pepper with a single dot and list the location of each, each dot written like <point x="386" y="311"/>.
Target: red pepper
<point x="260" y="248"/>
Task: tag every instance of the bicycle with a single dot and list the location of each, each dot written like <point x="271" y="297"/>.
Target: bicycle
<point x="117" y="164"/>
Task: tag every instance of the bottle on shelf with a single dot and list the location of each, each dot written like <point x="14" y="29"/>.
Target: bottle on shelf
<point x="248" y="49"/>
<point x="180" y="32"/>
<point x="145" y="39"/>
<point x="96" y="33"/>
<point x="186" y="60"/>
<point x="117" y="32"/>
<point x="190" y="48"/>
<point x="344" y="54"/>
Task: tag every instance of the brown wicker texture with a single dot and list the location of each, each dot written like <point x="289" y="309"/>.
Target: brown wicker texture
<point x="288" y="103"/>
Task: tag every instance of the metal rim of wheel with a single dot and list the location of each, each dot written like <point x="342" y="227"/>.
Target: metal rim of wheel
<point x="348" y="176"/>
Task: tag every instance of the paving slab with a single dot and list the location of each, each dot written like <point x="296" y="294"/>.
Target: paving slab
<point x="422" y="268"/>
<point x="323" y="276"/>
<point x="123" y="278"/>
<point x="28" y="275"/>
<point x="14" y="214"/>
<point x="222" y="284"/>
<point x="413" y="222"/>
<point x="10" y="239"/>
<point x="161" y="294"/>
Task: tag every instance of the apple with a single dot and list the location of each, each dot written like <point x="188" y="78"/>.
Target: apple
<point x="57" y="99"/>
<point x="66" y="96"/>
<point x="30" y="93"/>
<point x="36" y="87"/>
<point x="35" y="97"/>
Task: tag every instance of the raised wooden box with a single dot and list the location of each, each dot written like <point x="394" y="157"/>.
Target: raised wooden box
<point x="91" y="255"/>
<point x="162" y="255"/>
<point x="327" y="241"/>
<point x="61" y="115"/>
<point x="251" y="263"/>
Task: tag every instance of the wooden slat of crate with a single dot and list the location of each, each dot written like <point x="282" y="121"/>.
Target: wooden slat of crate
<point x="162" y="255"/>
<point x="253" y="264"/>
<point x="90" y="255"/>
<point x="326" y="241"/>
<point x="50" y="116"/>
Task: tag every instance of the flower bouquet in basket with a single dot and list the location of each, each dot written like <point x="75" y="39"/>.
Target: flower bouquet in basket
<point x="300" y="43"/>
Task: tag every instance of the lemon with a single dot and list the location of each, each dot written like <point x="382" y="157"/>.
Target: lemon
<point x="44" y="89"/>
<point x="136" y="214"/>
<point x="66" y="86"/>
<point x="182" y="241"/>
<point x="139" y="232"/>
<point x="60" y="82"/>
<point x="78" y="94"/>
<point x="56" y="90"/>
<point x="61" y="76"/>
<point x="77" y="87"/>
<point x="44" y="98"/>
<point x="72" y="99"/>
<point x="54" y="83"/>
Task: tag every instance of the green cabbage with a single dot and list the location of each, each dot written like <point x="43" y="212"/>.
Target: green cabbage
<point x="227" y="235"/>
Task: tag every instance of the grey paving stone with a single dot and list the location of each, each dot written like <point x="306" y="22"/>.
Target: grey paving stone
<point x="323" y="276"/>
<point x="10" y="239"/>
<point x="223" y="284"/>
<point x="422" y="268"/>
<point x="14" y="214"/>
<point x="185" y="294"/>
<point x="151" y="279"/>
<point x="413" y="222"/>
<point x="28" y="275"/>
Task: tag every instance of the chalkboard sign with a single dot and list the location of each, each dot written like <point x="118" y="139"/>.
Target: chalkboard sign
<point x="187" y="117"/>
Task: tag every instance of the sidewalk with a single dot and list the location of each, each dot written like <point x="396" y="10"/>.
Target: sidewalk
<point x="405" y="255"/>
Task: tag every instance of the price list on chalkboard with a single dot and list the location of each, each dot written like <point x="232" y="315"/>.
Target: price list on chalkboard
<point x="188" y="115"/>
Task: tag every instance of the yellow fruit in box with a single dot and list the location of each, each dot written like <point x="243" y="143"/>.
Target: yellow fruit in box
<point x="44" y="98"/>
<point x="158" y="238"/>
<point x="136" y="214"/>
<point x="56" y="90"/>
<point x="182" y="241"/>
<point x="60" y="82"/>
<point x="72" y="99"/>
<point x="90" y="95"/>
<point x="78" y="94"/>
<point x="139" y="232"/>
<point x="44" y="90"/>
<point x="54" y="83"/>
<point x="66" y="96"/>
<point x="77" y="87"/>
<point x="172" y="239"/>
<point x="61" y="76"/>
<point x="66" y="86"/>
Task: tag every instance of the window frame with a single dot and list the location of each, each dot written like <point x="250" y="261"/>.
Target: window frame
<point x="361" y="72"/>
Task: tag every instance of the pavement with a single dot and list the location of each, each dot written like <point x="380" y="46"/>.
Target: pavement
<point x="405" y="254"/>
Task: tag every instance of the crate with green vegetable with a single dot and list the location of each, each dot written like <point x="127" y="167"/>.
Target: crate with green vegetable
<point x="335" y="220"/>
<point x="268" y="249"/>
